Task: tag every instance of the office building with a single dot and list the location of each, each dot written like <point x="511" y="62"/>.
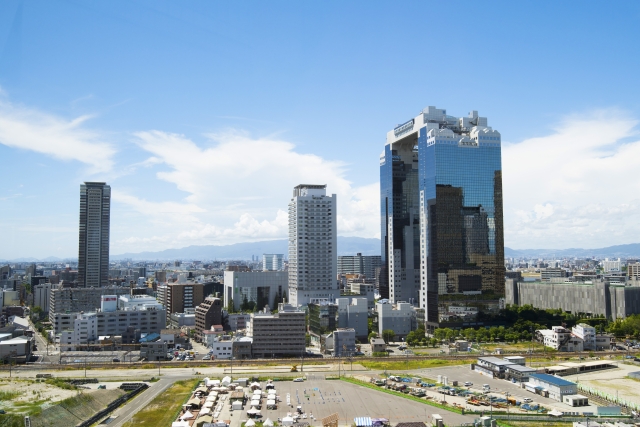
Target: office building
<point x="138" y="302"/>
<point x="277" y="335"/>
<point x="610" y="265"/>
<point x="42" y="296"/>
<point x="75" y="300"/>
<point x="208" y="313"/>
<point x="560" y="338"/>
<point x="441" y="211"/>
<point x="262" y="288"/>
<point x="93" y="252"/>
<point x="312" y="245"/>
<point x="181" y="297"/>
<point x="359" y="264"/>
<point x="272" y="262"/>
<point x="340" y="343"/>
<point x="400" y="318"/>
<point x="596" y="297"/>
<point x="633" y="271"/>
<point x="323" y="317"/>
<point x="5" y="272"/>
<point x="353" y="313"/>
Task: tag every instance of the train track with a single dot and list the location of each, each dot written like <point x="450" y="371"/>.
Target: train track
<point x="286" y="361"/>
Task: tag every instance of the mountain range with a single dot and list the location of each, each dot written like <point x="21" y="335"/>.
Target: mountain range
<point x="346" y="246"/>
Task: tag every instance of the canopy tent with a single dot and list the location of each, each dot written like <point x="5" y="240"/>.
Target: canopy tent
<point x="268" y="423"/>
<point x="194" y="402"/>
<point x="226" y="381"/>
<point x="187" y="416"/>
<point x="254" y="385"/>
<point x="556" y="413"/>
<point x="202" y="389"/>
<point x="287" y="421"/>
<point x="272" y="391"/>
<point x="180" y="424"/>
<point x="205" y="411"/>
<point x="203" y="420"/>
<point x="208" y="404"/>
<point x="363" y="422"/>
<point x="257" y="393"/>
<point x="250" y="423"/>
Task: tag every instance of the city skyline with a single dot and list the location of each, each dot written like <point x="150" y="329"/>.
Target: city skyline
<point x="201" y="131"/>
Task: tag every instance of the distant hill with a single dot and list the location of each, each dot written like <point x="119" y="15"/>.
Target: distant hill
<point x="618" y="251"/>
<point x="346" y="246"/>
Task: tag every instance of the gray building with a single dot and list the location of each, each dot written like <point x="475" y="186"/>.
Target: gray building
<point x="341" y="342"/>
<point x="279" y="334"/>
<point x="42" y="296"/>
<point x="353" y="313"/>
<point x="262" y="287"/>
<point x="359" y="264"/>
<point x="154" y="351"/>
<point x="596" y="297"/>
<point x="74" y="300"/>
<point x="93" y="245"/>
<point x="116" y="322"/>
<point x="400" y="318"/>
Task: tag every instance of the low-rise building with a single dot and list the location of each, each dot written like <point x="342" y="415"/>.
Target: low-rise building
<point x="238" y="321"/>
<point x="560" y="338"/>
<point x="341" y="342"/>
<point x="518" y="373"/>
<point x="553" y="387"/>
<point x="16" y="348"/>
<point x="493" y="366"/>
<point x="378" y="345"/>
<point x="154" y="351"/>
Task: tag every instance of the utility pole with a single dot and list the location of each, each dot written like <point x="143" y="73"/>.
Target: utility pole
<point x="508" y="403"/>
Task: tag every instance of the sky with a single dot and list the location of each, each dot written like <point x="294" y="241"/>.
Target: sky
<point x="203" y="116"/>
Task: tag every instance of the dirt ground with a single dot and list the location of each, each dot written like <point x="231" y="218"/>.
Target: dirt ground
<point x="612" y="381"/>
<point x="30" y="390"/>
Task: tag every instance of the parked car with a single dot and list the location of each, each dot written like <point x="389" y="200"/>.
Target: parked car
<point x="298" y="380"/>
<point x="468" y="384"/>
<point x="206" y="357"/>
<point x="527" y="400"/>
<point x="115" y="360"/>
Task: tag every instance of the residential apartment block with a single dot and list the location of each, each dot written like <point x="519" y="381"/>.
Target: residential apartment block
<point x="279" y="334"/>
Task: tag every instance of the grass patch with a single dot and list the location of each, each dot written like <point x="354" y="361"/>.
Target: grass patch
<point x="164" y="409"/>
<point x="398" y="365"/>
<point x="502" y="423"/>
<point x="60" y="383"/>
<point x="9" y="395"/>
<point x="406" y="396"/>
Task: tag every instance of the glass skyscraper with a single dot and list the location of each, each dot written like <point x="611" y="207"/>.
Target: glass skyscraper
<point x="441" y="200"/>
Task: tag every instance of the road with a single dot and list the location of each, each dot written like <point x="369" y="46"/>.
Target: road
<point x="126" y="412"/>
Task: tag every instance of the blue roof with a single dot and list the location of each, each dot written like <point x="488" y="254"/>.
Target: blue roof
<point x="150" y="337"/>
<point x="551" y="379"/>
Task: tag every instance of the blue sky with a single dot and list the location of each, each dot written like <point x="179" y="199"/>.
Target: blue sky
<point x="203" y="115"/>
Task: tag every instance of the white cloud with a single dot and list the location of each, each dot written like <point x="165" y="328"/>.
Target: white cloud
<point x="63" y="139"/>
<point x="237" y="189"/>
<point x="577" y="187"/>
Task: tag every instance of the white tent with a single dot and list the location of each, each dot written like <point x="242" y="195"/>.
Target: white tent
<point x="272" y="391"/>
<point x="226" y="381"/>
<point x="208" y="404"/>
<point x="268" y="423"/>
<point x="287" y="421"/>
<point x="180" y="424"/>
<point x="205" y="411"/>
<point x="187" y="416"/>
<point x="556" y="413"/>
<point x="250" y="423"/>
<point x="257" y="393"/>
<point x="215" y="383"/>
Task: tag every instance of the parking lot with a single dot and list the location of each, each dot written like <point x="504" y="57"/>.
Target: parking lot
<point x="320" y="398"/>
<point x="464" y="373"/>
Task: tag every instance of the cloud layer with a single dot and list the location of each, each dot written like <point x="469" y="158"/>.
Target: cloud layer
<point x="237" y="189"/>
<point x="63" y="139"/>
<point x="577" y="187"/>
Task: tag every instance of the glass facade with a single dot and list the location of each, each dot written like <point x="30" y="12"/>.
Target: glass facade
<point x="441" y="214"/>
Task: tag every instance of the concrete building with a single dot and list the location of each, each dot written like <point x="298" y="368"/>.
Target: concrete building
<point x="93" y="252"/>
<point x="208" y="313"/>
<point x="353" y="313"/>
<point x="16" y="348"/>
<point x="138" y="302"/>
<point x="493" y="366"/>
<point x="323" y="317"/>
<point x="272" y="262"/>
<point x="264" y="288"/>
<point x="75" y="300"/>
<point x="238" y="321"/>
<point x="378" y="345"/>
<point x="561" y="339"/>
<point x="184" y="296"/>
<point x="359" y="264"/>
<point x="441" y="210"/>
<point x="182" y="320"/>
<point x="154" y="351"/>
<point x="341" y="342"/>
<point x="547" y="274"/>
<point x="593" y="297"/>
<point x="400" y="318"/>
<point x="312" y="245"/>
<point x="280" y="334"/>
<point x="611" y="265"/>
<point x="633" y="271"/>
<point x="518" y="373"/>
<point x="42" y="296"/>
<point x="84" y="331"/>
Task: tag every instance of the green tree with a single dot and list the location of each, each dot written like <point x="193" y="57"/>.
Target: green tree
<point x="388" y="335"/>
<point x="372" y="335"/>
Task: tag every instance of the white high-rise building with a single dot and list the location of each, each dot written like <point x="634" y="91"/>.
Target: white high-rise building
<point x="313" y="261"/>
<point x="272" y="262"/>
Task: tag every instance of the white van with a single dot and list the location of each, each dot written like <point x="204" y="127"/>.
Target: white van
<point x="486" y="387"/>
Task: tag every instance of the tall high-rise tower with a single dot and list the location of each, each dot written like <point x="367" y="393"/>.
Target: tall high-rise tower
<point x="441" y="182"/>
<point x="93" y="252"/>
<point x="312" y="245"/>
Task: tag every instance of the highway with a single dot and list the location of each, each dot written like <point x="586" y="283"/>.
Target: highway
<point x="126" y="412"/>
